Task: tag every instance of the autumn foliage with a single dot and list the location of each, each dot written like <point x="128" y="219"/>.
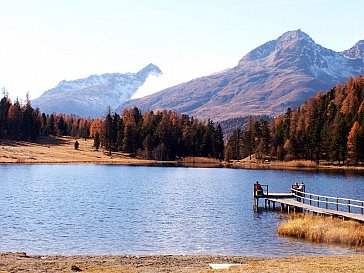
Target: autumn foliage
<point x="163" y="135"/>
<point x="328" y="127"/>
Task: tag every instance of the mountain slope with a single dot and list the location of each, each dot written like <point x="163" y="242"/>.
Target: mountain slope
<point x="356" y="52"/>
<point x="93" y="95"/>
<point x="279" y="74"/>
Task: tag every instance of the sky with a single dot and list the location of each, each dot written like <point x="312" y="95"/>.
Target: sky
<point x="43" y="42"/>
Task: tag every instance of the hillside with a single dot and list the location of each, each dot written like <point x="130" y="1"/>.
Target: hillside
<point x="276" y="75"/>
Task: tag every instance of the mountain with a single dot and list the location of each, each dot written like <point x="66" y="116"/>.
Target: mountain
<point x="278" y="74"/>
<point x="356" y="52"/>
<point x="93" y="95"/>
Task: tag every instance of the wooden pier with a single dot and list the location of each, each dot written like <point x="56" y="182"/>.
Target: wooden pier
<point x="301" y="201"/>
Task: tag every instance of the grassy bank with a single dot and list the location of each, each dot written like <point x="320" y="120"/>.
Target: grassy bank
<point x="324" y="229"/>
<point x="60" y="150"/>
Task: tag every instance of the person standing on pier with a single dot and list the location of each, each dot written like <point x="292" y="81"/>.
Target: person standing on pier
<point x="301" y="190"/>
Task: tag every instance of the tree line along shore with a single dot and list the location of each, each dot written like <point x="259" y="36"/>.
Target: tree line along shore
<point x="328" y="129"/>
<point x="60" y="150"/>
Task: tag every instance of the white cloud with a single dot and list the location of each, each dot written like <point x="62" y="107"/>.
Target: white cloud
<point x="185" y="69"/>
<point x="152" y="84"/>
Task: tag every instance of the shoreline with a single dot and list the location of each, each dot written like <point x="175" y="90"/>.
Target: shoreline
<point x="155" y="163"/>
<point x="292" y="165"/>
<point x="15" y="262"/>
<point x="60" y="150"/>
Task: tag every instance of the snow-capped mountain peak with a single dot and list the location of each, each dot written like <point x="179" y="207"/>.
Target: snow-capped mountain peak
<point x="91" y="96"/>
<point x="287" y="43"/>
<point x="293" y="36"/>
<point x="149" y="70"/>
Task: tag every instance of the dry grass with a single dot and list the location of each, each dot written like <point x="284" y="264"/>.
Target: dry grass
<point x="298" y="163"/>
<point x="200" y="162"/>
<point x="49" y="150"/>
<point x="60" y="150"/>
<point x="279" y="165"/>
<point x="324" y="229"/>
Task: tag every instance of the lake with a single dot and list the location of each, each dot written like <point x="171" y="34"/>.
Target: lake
<point x="108" y="209"/>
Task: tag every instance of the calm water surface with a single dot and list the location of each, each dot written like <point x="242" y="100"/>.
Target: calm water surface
<point x="103" y="209"/>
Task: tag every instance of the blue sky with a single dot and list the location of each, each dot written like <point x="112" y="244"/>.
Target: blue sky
<point x="46" y="41"/>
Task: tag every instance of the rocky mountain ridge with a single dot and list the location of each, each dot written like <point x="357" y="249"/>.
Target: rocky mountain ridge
<point x="278" y="74"/>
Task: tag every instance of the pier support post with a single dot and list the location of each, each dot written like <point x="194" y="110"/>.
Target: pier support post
<point x="256" y="204"/>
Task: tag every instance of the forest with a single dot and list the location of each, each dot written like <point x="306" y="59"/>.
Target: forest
<point x="163" y="135"/>
<point x="327" y="128"/>
<point x="20" y="121"/>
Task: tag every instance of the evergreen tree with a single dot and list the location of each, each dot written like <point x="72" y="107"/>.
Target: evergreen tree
<point x="15" y="119"/>
<point x="43" y="126"/>
<point x="119" y="134"/>
<point x="61" y="126"/>
<point x="129" y="140"/>
<point x="218" y="143"/>
<point x="114" y="131"/>
<point x="51" y="125"/>
<point x="4" y="109"/>
<point x="30" y="126"/>
<point x="108" y="129"/>
<point x="207" y="138"/>
<point x="232" y="150"/>
<point x="97" y="141"/>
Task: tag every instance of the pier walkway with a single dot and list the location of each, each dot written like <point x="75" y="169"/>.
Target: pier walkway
<point x="301" y="201"/>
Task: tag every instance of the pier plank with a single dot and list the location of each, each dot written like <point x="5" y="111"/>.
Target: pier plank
<point x="297" y="204"/>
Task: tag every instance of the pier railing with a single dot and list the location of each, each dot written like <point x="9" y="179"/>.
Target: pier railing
<point x="329" y="202"/>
